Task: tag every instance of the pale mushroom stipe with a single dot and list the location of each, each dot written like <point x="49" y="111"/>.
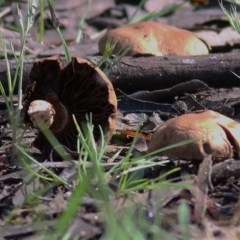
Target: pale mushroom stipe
<point x="43" y="111"/>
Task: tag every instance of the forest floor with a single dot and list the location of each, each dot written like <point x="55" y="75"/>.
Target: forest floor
<point x="177" y="199"/>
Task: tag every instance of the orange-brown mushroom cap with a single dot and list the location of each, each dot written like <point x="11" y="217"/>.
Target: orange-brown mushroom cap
<point x="212" y="134"/>
<point x="79" y="89"/>
<point x="154" y="38"/>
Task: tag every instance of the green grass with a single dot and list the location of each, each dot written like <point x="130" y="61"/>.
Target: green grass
<point x="232" y="15"/>
<point x="82" y="21"/>
<point x="41" y="21"/>
<point x="56" y="24"/>
<point x="14" y="113"/>
<point x="165" y="11"/>
<point x="108" y="60"/>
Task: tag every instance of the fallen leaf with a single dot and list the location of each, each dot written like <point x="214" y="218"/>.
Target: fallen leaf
<point x="200" y="191"/>
<point x="130" y="133"/>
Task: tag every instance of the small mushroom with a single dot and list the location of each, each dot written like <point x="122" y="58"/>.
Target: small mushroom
<point x="55" y="93"/>
<point x="154" y="38"/>
<point x="212" y="134"/>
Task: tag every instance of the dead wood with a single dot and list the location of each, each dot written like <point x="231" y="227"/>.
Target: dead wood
<point x="15" y="231"/>
<point x="132" y="74"/>
<point x="152" y="73"/>
<point x="225" y="170"/>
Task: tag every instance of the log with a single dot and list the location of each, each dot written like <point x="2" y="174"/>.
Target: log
<point x="152" y="73"/>
<point x="224" y="170"/>
<point x="132" y="74"/>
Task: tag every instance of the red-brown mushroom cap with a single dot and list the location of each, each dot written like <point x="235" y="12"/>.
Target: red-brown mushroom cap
<point x="214" y="134"/>
<point x="79" y="89"/>
<point x="154" y="38"/>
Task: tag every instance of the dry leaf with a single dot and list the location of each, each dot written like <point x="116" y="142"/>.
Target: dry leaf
<point x="130" y="133"/>
<point x="200" y="191"/>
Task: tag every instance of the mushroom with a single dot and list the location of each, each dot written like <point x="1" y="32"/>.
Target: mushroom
<point x="212" y="134"/>
<point x="55" y="93"/>
<point x="154" y="38"/>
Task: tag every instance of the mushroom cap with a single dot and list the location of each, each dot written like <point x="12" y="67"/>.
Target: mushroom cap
<point x="154" y="38"/>
<point x="79" y="89"/>
<point x="212" y="134"/>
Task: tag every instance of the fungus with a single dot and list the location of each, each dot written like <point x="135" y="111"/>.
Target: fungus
<point x="154" y="38"/>
<point x="55" y="93"/>
<point x="212" y="134"/>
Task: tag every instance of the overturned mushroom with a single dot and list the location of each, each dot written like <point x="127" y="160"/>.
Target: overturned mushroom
<point x="212" y="134"/>
<point x="55" y="93"/>
<point x="154" y="38"/>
